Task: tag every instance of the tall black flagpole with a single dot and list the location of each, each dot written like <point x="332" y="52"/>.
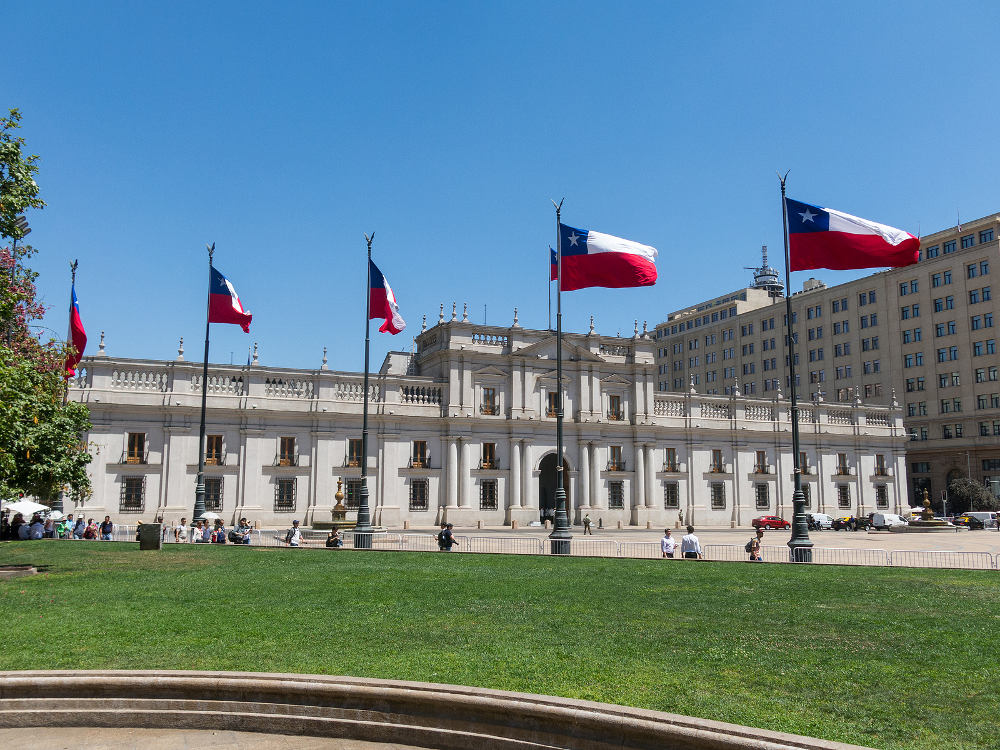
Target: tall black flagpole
<point x="800" y="544"/>
<point x="363" y="528"/>
<point x="560" y="536"/>
<point x="57" y="502"/>
<point x="199" y="487"/>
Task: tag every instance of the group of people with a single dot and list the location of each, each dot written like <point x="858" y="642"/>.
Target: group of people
<point x="203" y="532"/>
<point x="49" y="528"/>
<point x="294" y="537"/>
<point x="691" y="545"/>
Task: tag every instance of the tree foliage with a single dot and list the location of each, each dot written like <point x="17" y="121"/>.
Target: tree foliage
<point x="965" y="494"/>
<point x="41" y="453"/>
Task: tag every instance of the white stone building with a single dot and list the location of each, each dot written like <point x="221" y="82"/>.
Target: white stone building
<point x="464" y="431"/>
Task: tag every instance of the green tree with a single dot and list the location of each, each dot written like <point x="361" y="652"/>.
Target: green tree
<point x="41" y="452"/>
<point x="965" y="494"/>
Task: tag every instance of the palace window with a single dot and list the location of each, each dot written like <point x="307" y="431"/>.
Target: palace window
<point x="133" y="497"/>
<point x="615" y="408"/>
<point x="761" y="493"/>
<point x="716" y="467"/>
<point x="488" y="494"/>
<point x="354" y="452"/>
<point x="760" y="465"/>
<point x="352" y="498"/>
<point x="616" y="494"/>
<point x="213" y="450"/>
<point x="843" y="496"/>
<point x="489" y="405"/>
<point x="615" y="462"/>
<point x="286" y="452"/>
<point x="418" y="494"/>
<point x="671" y="496"/>
<point x="718" y="493"/>
<point x="419" y="456"/>
<point x="881" y="496"/>
<point x="670" y="461"/>
<point x="213" y="494"/>
<point x="551" y="403"/>
<point x="489" y="457"/>
<point x="136" y="452"/>
<point x="284" y="495"/>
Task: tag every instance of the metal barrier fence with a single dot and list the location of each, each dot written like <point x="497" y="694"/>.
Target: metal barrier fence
<point x="590" y="547"/>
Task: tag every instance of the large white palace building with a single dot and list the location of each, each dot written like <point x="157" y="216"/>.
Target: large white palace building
<point x="464" y="430"/>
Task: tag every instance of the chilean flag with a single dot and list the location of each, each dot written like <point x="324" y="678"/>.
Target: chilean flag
<point x="594" y="259"/>
<point x="77" y="335"/>
<point x="224" y="303"/>
<point x="382" y="302"/>
<point x="824" y="238"/>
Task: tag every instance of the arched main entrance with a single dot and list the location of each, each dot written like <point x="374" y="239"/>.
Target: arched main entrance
<point x="547" y="488"/>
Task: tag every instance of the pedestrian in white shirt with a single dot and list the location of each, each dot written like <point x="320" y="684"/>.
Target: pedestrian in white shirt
<point x="293" y="537"/>
<point x="690" y="546"/>
<point x="180" y="531"/>
<point x="667" y="544"/>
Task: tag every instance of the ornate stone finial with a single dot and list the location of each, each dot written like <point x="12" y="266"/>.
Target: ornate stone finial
<point x="100" y="347"/>
<point x="635" y="335"/>
<point x="454" y="311"/>
<point x="736" y="386"/>
<point x="255" y="361"/>
<point x="180" y="350"/>
<point x="441" y="314"/>
<point x="819" y="395"/>
<point x="591" y="331"/>
<point x="324" y="367"/>
<point x="465" y="312"/>
<point x="516" y="324"/>
<point x="894" y="403"/>
<point x="645" y="330"/>
<point x="692" y="389"/>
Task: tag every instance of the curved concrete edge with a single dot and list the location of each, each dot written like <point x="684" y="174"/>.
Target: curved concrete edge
<point x="445" y="717"/>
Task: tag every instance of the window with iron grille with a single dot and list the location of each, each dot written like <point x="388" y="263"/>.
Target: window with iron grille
<point x="286" y="453"/>
<point x="616" y="494"/>
<point x="284" y="495"/>
<point x="136" y="448"/>
<point x="718" y="496"/>
<point x="213" y="493"/>
<point x="881" y="496"/>
<point x="354" y="452"/>
<point x="488" y="494"/>
<point x="763" y="501"/>
<point x="213" y="450"/>
<point x="844" y="496"/>
<point x="671" y="496"/>
<point x="353" y="498"/>
<point x="418" y="494"/>
<point x="133" y="499"/>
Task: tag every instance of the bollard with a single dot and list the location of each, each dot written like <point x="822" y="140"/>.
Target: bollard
<point x="619" y="524"/>
<point x="150" y="536"/>
<point x="479" y="524"/>
<point x="406" y="525"/>
<point x="649" y="524"/>
<point x="513" y="523"/>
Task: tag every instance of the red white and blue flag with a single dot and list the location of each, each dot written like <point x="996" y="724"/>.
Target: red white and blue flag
<point x="592" y="258"/>
<point x="224" y="303"/>
<point x="77" y="335"/>
<point x="825" y="238"/>
<point x="382" y="302"/>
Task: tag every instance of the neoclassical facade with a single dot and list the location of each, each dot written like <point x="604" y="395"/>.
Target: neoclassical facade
<point x="464" y="429"/>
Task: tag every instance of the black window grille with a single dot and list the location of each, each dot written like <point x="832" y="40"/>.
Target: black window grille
<point x="353" y="499"/>
<point x="718" y="496"/>
<point x="133" y="498"/>
<point x="213" y="493"/>
<point x="844" y="496"/>
<point x="284" y="495"/>
<point x="671" y="497"/>
<point x="418" y="494"/>
<point x="881" y="496"/>
<point x="763" y="501"/>
<point x="616" y="495"/>
<point x="488" y="494"/>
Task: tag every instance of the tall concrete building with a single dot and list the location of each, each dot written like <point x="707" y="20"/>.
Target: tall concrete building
<point x="924" y="335"/>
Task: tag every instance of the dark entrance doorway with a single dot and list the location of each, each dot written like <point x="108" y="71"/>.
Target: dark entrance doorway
<point x="547" y="489"/>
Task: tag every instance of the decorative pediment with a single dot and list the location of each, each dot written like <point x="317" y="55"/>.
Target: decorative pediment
<point x="549" y="376"/>
<point x="615" y="380"/>
<point x="546" y="349"/>
<point x="490" y="372"/>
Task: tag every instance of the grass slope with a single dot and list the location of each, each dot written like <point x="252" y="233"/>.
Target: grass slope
<point x="890" y="658"/>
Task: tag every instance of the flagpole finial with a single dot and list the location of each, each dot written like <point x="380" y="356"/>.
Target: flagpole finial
<point x="211" y="251"/>
<point x="369" y="239"/>
<point x="180" y="350"/>
<point x="516" y="324"/>
<point x="441" y="314"/>
<point x="72" y="270"/>
<point x="324" y="366"/>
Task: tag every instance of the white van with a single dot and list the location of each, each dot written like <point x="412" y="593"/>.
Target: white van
<point x="886" y="520"/>
<point x="821" y="521"/>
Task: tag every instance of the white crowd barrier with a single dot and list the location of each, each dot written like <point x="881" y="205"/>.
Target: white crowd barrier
<point x="596" y="547"/>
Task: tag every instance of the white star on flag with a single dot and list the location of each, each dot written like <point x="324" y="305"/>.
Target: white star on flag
<point x="573" y="239"/>
<point x="807" y="215"/>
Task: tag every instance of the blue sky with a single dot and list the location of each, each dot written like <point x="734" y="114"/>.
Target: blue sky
<point x="284" y="131"/>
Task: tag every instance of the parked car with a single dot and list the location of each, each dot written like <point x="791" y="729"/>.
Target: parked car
<point x="819" y="521"/>
<point x="886" y="520"/>
<point x="770" y="522"/>
<point x="977" y="520"/>
<point x="852" y="523"/>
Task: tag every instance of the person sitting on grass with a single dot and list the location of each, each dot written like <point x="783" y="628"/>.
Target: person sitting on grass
<point x="334" y="539"/>
<point x="241" y="534"/>
<point x="219" y="534"/>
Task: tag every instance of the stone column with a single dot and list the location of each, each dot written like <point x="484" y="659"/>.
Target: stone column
<point x="452" y="501"/>
<point x="464" y="474"/>
<point x="515" y="474"/>
<point x="639" y="490"/>
<point x="584" y="500"/>
<point x="595" y="479"/>
<point x="650" y="477"/>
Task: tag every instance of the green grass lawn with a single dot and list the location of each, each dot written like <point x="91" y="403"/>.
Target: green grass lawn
<point x="890" y="658"/>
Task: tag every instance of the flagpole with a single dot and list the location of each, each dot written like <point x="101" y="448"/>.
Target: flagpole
<point x="799" y="544"/>
<point x="363" y="527"/>
<point x="548" y="276"/>
<point x="560" y="536"/>
<point x="57" y="503"/>
<point x="199" y="487"/>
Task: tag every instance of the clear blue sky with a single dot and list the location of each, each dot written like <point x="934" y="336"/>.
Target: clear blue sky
<point x="284" y="131"/>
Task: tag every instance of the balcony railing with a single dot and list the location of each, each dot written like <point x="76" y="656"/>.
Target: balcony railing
<point x="488" y="464"/>
<point x="667" y="466"/>
<point x="132" y="458"/>
<point x="352" y="461"/>
<point x="416" y="462"/>
<point x="286" y="460"/>
<point x="881" y="471"/>
<point x="759" y="469"/>
<point x="550" y="412"/>
<point x="843" y="471"/>
<point x="216" y="459"/>
<point x="616" y="465"/>
<point x="489" y="410"/>
<point x="616" y="416"/>
<point x="716" y="469"/>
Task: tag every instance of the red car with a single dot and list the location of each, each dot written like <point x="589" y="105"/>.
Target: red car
<point x="770" y="522"/>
